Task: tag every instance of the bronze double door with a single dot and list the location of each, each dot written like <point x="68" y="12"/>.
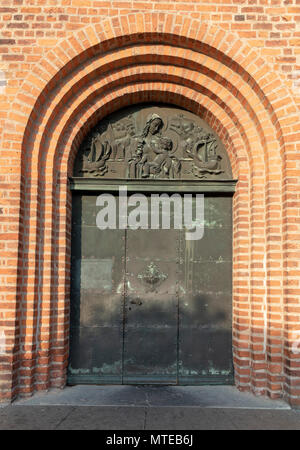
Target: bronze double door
<point x="149" y="306"/>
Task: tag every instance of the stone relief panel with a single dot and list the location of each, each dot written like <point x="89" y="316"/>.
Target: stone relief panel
<point x="152" y="141"/>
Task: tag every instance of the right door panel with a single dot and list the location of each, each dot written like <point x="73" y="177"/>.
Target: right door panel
<point x="205" y="318"/>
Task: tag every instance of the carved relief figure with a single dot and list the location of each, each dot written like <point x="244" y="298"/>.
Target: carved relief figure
<point x="100" y="151"/>
<point x="164" y="163"/>
<point x="168" y="147"/>
<point x="124" y="131"/>
<point x="206" y="159"/>
<point x="187" y="131"/>
<point x="135" y="162"/>
<point x="199" y="145"/>
<point x="157" y="160"/>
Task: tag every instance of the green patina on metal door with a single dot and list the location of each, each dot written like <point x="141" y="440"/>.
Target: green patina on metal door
<point x="149" y="306"/>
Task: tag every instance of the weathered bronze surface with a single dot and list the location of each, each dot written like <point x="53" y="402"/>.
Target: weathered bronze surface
<point x="160" y="142"/>
<point x="148" y="306"/>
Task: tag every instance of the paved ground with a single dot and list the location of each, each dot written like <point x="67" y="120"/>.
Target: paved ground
<point x="148" y="408"/>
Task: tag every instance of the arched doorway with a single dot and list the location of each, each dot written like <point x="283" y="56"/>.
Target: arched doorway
<point x="149" y="305"/>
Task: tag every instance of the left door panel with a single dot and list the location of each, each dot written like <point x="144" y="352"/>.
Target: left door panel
<point x="96" y="332"/>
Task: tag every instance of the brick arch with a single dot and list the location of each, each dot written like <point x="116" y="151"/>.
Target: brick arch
<point x="95" y="110"/>
<point x="208" y="52"/>
<point x="207" y="40"/>
<point x="80" y="126"/>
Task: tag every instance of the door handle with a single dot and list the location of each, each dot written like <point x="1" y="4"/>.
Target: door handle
<point x="136" y="302"/>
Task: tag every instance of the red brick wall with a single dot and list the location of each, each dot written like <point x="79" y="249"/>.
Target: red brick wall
<point x="67" y="63"/>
